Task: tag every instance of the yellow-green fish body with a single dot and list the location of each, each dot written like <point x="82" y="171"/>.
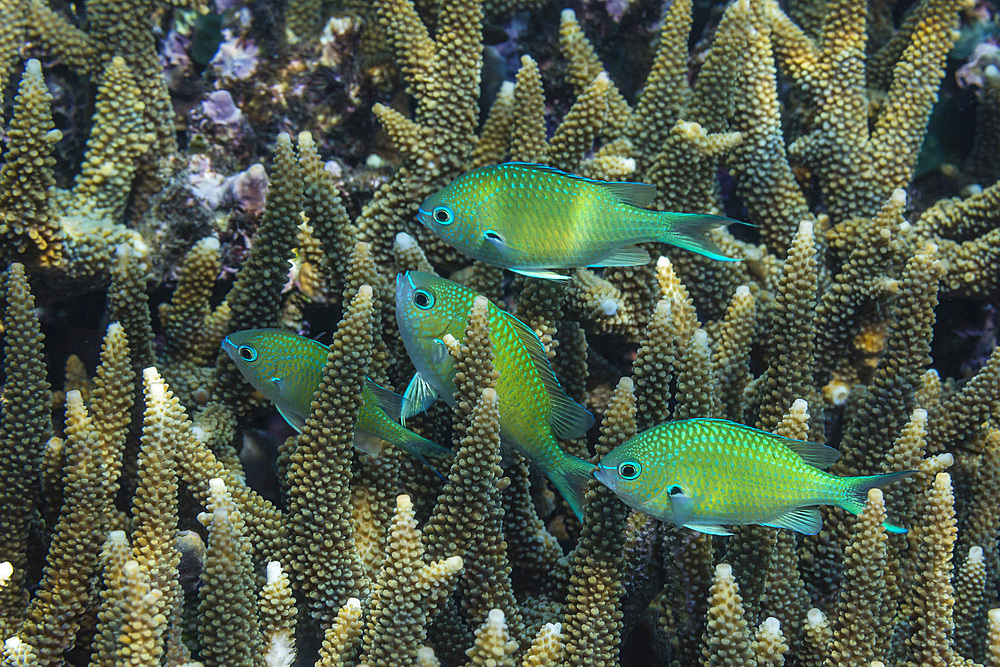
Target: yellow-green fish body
<point x="531" y="218"/>
<point x="707" y="473"/>
<point x="534" y="410"/>
<point x="287" y="369"/>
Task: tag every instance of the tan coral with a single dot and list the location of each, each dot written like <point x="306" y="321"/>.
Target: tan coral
<point x="493" y="647"/>
<point x="25" y="426"/>
<point x="343" y="637"/>
<point x="277" y="615"/>
<point x="26" y="222"/>
<point x="405" y="593"/>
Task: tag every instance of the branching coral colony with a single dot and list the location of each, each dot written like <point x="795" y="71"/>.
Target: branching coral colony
<point x="133" y="527"/>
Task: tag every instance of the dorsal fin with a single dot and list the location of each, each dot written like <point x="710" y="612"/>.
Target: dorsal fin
<point x="627" y="192"/>
<point x="813" y="453"/>
<point x="634" y="194"/>
<point x="389" y="401"/>
<point x="567" y="418"/>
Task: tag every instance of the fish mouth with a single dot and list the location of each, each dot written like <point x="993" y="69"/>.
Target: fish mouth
<point x="602" y="474"/>
<point x="424" y="217"/>
<point x="228" y="346"/>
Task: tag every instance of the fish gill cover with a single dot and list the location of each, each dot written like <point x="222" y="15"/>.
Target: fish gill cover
<point x="174" y="172"/>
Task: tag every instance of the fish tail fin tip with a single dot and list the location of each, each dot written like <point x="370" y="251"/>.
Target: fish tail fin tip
<point x="857" y="493"/>
<point x="570" y="478"/>
<point x="420" y="446"/>
<point x="690" y="231"/>
<point x="421" y="449"/>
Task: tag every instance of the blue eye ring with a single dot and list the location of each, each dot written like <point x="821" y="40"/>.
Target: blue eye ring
<point x="629" y="470"/>
<point x="423" y="299"/>
<point x="443" y="215"/>
<point x="247" y="353"/>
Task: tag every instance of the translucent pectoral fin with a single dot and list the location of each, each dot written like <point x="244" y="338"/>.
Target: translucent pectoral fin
<point x="682" y="507"/>
<point x="294" y="419"/>
<point x="367" y="443"/>
<point x="419" y="396"/>
<point x="541" y="274"/>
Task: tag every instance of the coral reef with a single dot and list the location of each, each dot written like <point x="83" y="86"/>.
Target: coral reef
<point x="232" y="174"/>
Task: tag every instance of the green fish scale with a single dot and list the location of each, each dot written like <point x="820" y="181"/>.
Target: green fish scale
<point x="546" y="213"/>
<point x="524" y="401"/>
<point x="298" y="362"/>
<point x="735" y="475"/>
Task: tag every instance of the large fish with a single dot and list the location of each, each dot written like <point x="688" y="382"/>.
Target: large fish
<point x="287" y="369"/>
<point x="531" y="218"/>
<point x="706" y="473"/>
<point x="534" y="410"/>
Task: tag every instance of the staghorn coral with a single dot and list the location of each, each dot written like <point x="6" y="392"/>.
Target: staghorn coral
<point x="816" y="114"/>
<point x="71" y="235"/>
<point x="862" y="617"/>
<point x="406" y="592"/>
<point x="727" y="638"/>
<point x="27" y="176"/>
<point x="593" y="622"/>
<point x="228" y="628"/>
<point x="25" y="426"/>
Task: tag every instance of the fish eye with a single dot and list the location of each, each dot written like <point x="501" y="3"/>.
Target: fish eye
<point x="443" y="215"/>
<point x="673" y="490"/>
<point x="629" y="469"/>
<point x="247" y="353"/>
<point x="423" y="299"/>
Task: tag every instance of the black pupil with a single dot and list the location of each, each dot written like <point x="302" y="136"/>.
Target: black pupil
<point x="628" y="471"/>
<point x="441" y="215"/>
<point x="246" y="353"/>
<point x="421" y="299"/>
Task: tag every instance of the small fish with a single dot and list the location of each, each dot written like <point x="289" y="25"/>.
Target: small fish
<point x="287" y="370"/>
<point x="534" y="410"/>
<point x="706" y="473"/>
<point x="530" y="218"/>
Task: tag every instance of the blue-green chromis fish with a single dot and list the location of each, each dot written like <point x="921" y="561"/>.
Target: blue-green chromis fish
<point x="706" y="473"/>
<point x="287" y="370"/>
<point x="530" y="218"/>
<point x="534" y="410"/>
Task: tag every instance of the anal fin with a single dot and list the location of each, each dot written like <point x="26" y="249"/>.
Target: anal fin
<point x="805" y="520"/>
<point x="630" y="255"/>
<point x="708" y="529"/>
<point x="542" y="274"/>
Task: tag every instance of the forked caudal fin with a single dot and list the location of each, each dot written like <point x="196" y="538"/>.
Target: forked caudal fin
<point x="690" y="231"/>
<point x="857" y="493"/>
<point x="570" y="477"/>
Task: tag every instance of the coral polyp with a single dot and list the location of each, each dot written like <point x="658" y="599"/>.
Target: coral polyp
<point x="248" y="165"/>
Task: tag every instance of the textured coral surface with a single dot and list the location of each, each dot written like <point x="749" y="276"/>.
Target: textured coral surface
<point x="174" y="171"/>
